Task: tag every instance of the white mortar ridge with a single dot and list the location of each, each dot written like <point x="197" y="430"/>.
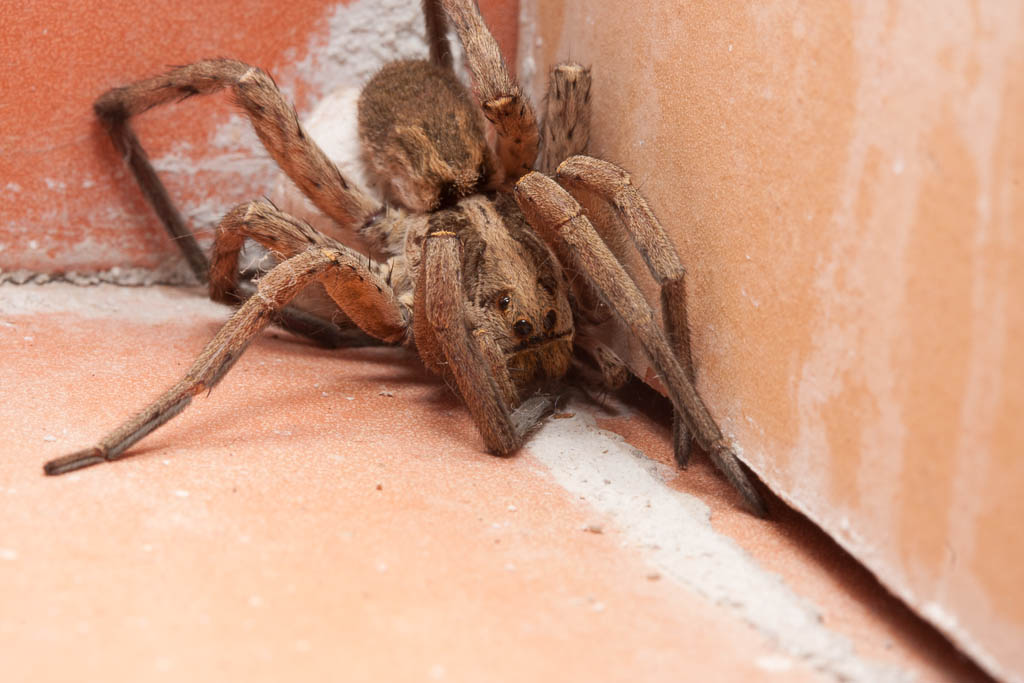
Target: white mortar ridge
<point x="673" y="529"/>
<point x="143" y="305"/>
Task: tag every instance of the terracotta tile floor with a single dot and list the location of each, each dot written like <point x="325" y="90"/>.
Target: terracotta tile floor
<point x="329" y="515"/>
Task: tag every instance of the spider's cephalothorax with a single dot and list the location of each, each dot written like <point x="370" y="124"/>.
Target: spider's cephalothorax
<point x="493" y="271"/>
<point x="515" y="290"/>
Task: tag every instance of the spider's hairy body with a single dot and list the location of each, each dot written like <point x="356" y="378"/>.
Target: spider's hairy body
<point x="424" y="141"/>
<point x="492" y="272"/>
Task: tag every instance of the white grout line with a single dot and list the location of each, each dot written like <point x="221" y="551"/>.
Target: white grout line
<point x="673" y="531"/>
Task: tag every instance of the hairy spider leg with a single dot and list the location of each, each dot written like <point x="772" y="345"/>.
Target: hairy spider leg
<point x="277" y="126"/>
<point x="467" y="356"/>
<point x="500" y="95"/>
<point x="275" y="290"/>
<point x="635" y="218"/>
<point x="565" y="131"/>
<point x="437" y="34"/>
<point x="558" y="216"/>
<point x="284" y="236"/>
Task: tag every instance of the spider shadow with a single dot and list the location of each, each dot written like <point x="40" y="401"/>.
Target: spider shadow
<point x="395" y="368"/>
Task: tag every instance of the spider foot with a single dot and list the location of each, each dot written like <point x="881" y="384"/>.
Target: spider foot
<point x="682" y="442"/>
<point x="527" y="415"/>
<point x="728" y="464"/>
<point x="75" y="461"/>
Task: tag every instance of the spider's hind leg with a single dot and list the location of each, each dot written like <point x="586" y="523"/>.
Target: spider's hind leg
<point x="565" y="131"/>
<point x="504" y="103"/>
<point x="437" y="35"/>
<point x="272" y="117"/>
<point x="277" y="126"/>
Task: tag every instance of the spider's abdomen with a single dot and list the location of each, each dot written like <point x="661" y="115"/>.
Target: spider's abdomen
<point x="423" y="136"/>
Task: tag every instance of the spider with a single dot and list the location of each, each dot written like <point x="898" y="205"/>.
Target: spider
<point x="493" y="271"/>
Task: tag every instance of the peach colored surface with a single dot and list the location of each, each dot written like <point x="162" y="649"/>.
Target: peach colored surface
<point x="66" y="203"/>
<point x="844" y="181"/>
<point x="330" y="514"/>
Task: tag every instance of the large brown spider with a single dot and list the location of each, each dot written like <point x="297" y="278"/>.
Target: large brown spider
<point x="493" y="273"/>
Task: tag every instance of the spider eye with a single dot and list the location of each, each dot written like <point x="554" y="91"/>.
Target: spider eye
<point x="548" y="285"/>
<point x="504" y="302"/>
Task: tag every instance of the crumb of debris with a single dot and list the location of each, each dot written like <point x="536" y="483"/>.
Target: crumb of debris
<point x="49" y="437"/>
<point x="380" y="487"/>
<point x="653" y="576"/>
<point x="563" y="416"/>
<point x="385" y="392"/>
<point x="511" y="508"/>
<point x="594" y="529"/>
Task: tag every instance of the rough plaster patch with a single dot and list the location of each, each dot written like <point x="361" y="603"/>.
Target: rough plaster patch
<point x="674" y="530"/>
<point x="358" y="39"/>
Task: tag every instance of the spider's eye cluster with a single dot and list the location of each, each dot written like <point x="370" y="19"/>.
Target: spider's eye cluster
<point x="504" y="302"/>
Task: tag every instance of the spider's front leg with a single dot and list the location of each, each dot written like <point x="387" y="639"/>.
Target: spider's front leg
<point x="470" y="357"/>
<point x="634" y="218"/>
<point x="555" y="214"/>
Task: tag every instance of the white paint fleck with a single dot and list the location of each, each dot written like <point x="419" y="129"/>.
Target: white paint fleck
<point x="9" y="554"/>
<point x="181" y="493"/>
<point x="49" y="437"/>
<point x="774" y="663"/>
<point x="512" y="508"/>
<point x="898" y="166"/>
